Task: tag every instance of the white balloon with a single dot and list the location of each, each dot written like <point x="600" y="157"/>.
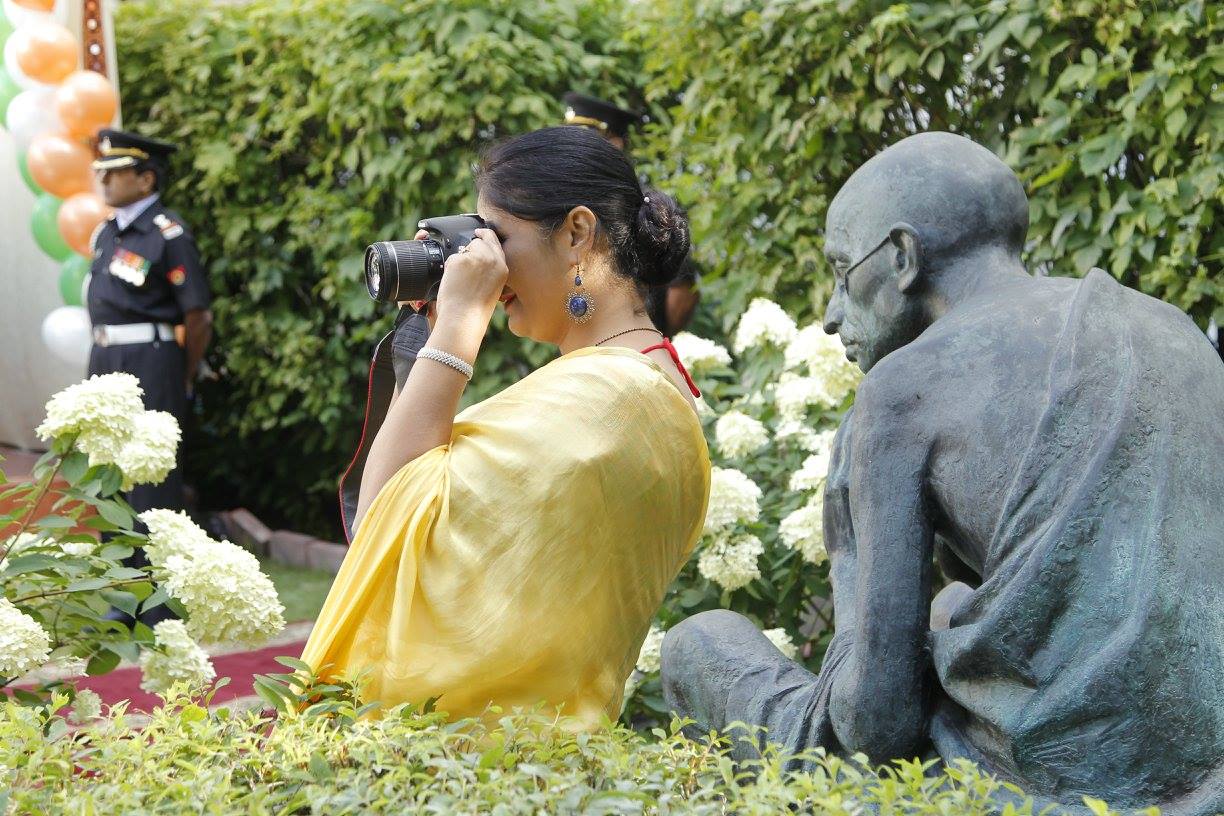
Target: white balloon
<point x="20" y="15"/>
<point x="67" y="333"/>
<point x="30" y="115"/>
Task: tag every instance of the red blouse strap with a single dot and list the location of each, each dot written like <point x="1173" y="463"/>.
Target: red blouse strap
<point x="667" y="346"/>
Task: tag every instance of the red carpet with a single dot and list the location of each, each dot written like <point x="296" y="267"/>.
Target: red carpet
<point x="124" y="684"/>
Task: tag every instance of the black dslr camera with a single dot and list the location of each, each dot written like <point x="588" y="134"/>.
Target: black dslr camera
<point x="412" y="270"/>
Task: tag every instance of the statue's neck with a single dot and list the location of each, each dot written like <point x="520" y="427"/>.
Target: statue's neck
<point x="969" y="276"/>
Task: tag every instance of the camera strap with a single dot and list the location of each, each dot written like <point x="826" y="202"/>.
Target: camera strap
<point x="389" y="369"/>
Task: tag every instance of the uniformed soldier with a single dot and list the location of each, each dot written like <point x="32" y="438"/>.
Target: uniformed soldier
<point x="146" y="279"/>
<point x="670" y="307"/>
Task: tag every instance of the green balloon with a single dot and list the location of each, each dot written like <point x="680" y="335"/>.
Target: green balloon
<point x="46" y="228"/>
<point x="8" y="89"/>
<point x="24" y="167"/>
<point x="72" y="276"/>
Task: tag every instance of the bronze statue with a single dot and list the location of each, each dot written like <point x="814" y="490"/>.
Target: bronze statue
<point x="1055" y="443"/>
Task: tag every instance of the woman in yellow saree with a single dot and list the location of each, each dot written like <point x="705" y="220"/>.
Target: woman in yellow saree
<point x="515" y="555"/>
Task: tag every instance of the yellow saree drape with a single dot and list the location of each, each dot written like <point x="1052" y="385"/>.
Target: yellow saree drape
<point x="522" y="563"/>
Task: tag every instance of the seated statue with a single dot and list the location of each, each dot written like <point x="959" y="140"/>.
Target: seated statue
<point x="1054" y="444"/>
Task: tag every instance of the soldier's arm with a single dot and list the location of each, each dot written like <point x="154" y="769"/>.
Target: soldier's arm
<point x="190" y="285"/>
<point x="882" y="580"/>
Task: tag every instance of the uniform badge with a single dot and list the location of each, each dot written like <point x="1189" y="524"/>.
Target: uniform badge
<point x="169" y="229"/>
<point x="177" y="275"/>
<point x="130" y="267"/>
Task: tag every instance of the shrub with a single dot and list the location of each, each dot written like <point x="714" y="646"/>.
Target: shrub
<point x="67" y="532"/>
<point x="188" y="759"/>
<point x="1109" y="111"/>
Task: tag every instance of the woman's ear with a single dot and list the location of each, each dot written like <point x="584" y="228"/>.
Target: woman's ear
<point x="578" y="233"/>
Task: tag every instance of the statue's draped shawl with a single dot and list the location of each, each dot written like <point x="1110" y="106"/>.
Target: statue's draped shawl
<point x="522" y="563"/>
<point x="1096" y="641"/>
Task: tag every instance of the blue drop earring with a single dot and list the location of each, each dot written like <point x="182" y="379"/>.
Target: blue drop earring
<point x="578" y="304"/>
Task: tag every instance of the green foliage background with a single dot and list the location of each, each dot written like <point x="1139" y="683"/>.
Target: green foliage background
<point x="314" y="128"/>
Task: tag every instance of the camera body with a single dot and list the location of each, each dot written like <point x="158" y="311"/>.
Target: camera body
<point x="412" y="270"/>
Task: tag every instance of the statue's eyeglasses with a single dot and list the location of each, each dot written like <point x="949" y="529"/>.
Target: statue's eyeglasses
<point x="893" y="237"/>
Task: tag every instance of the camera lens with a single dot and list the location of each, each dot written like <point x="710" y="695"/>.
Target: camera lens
<point x="403" y="270"/>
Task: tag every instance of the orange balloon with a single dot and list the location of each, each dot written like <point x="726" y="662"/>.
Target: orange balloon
<point x="37" y="5"/>
<point x="60" y="165"/>
<point x="85" y="102"/>
<point x="45" y="51"/>
<point x="78" y="217"/>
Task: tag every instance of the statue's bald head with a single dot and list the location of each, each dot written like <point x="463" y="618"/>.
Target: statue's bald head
<point x="930" y="207"/>
<point x="954" y="192"/>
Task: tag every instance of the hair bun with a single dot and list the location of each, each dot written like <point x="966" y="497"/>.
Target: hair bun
<point x="662" y="238"/>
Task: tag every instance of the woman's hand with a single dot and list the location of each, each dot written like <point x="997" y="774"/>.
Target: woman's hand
<point x="473" y="281"/>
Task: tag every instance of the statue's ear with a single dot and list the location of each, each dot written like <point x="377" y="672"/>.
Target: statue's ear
<point x="906" y="255"/>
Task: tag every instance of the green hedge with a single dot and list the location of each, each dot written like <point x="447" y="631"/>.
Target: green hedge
<point x="1110" y="111"/>
<point x="188" y="760"/>
<point x="313" y="128"/>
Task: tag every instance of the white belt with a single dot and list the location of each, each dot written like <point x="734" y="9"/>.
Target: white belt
<point x="127" y="333"/>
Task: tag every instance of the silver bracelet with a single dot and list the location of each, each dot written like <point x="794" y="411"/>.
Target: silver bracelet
<point x="446" y="358"/>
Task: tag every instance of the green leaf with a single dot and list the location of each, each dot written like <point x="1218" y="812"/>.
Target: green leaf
<point x="86" y="584"/>
<point x="101" y="663"/>
<point x="319" y="767"/>
<point x="116" y="515"/>
<point x="74" y="466"/>
<point x="293" y="663"/>
<point x="34" y="562"/>
<point x="119" y="599"/>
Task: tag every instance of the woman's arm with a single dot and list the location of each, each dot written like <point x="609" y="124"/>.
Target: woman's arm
<point x="422" y="415"/>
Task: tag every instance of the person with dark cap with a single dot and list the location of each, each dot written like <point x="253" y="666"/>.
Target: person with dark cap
<point x="145" y="279"/>
<point x="670" y="307"/>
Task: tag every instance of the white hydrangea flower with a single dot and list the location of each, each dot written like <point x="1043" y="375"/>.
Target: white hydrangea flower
<point x="21" y="542"/>
<point x="631" y="685"/>
<point x="650" y="657"/>
<point x="793" y="394"/>
<point x="172" y="533"/>
<point x="823" y="356"/>
<point x="175" y="657"/>
<point x="779" y="638"/>
<point x="731" y="563"/>
<point x="763" y="322"/>
<point x="799" y="434"/>
<point x="227" y="597"/>
<point x="148" y="457"/>
<point x="803" y="530"/>
<point x="738" y="434"/>
<point x="24" y="644"/>
<point x="703" y="408"/>
<point x="87" y="706"/>
<point x="733" y="497"/>
<point x="811" y="475"/>
<point x="699" y="354"/>
<point x="80" y="549"/>
<point x="102" y="410"/>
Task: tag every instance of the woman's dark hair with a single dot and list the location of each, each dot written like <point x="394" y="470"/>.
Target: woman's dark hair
<point x="541" y="176"/>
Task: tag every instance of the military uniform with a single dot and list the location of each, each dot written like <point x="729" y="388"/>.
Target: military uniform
<point x="144" y="278"/>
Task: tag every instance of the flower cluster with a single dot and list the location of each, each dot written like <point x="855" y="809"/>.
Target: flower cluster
<point x="794" y="394"/>
<point x="738" y="434"/>
<point x="86" y="706"/>
<point x="699" y="354"/>
<point x="731" y="562"/>
<point x="175" y="657"/>
<point x="650" y="657"/>
<point x="733" y="498"/>
<point x="780" y="639"/>
<point x="24" y="644"/>
<point x="763" y="322"/>
<point x="811" y="475"/>
<point x="227" y="597"/>
<point x="823" y="357"/>
<point x="803" y="530"/>
<point x="107" y="417"/>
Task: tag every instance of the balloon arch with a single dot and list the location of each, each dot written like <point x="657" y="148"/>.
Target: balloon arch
<point x="55" y="95"/>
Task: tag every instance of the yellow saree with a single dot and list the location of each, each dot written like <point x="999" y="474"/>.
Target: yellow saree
<point x="522" y="563"/>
